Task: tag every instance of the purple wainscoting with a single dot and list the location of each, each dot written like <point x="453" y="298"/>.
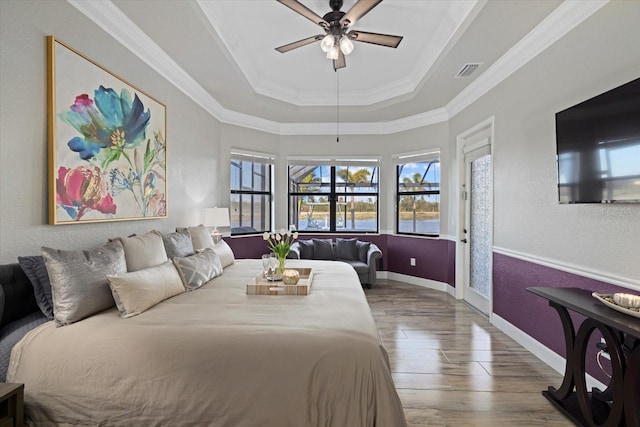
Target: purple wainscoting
<point x="531" y="313"/>
<point x="435" y="258"/>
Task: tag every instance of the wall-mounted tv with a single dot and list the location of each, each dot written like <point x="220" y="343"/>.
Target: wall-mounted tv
<point x="598" y="147"/>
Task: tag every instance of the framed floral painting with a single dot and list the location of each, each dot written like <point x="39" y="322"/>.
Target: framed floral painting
<point x="107" y="148"/>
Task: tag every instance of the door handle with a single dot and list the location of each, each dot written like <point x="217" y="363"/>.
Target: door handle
<point x="463" y="240"/>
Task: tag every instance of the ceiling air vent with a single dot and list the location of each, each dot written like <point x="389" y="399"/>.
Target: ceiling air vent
<point x="468" y="69"/>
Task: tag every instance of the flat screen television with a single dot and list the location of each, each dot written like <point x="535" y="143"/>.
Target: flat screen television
<point x="598" y="148"/>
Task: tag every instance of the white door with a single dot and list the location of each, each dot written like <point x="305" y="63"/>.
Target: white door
<point x="477" y="231"/>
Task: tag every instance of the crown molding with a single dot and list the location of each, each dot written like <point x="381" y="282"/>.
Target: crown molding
<point x="114" y="22"/>
<point x="459" y="17"/>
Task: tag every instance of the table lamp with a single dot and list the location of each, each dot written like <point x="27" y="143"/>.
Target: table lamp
<point x="216" y="217"/>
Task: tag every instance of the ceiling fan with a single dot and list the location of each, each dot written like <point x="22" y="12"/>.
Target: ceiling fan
<point x="337" y="40"/>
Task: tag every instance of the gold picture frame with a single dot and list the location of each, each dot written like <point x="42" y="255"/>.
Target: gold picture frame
<point x="107" y="146"/>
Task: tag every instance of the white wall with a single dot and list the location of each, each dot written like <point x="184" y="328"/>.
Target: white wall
<point x="193" y="136"/>
<point x="601" y="53"/>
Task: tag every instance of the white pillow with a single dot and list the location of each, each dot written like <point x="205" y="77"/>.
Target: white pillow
<point x="140" y="290"/>
<point x="144" y="251"/>
<point x="224" y="251"/>
<point x="201" y="238"/>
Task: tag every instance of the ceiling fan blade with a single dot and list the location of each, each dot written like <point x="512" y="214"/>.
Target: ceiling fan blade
<point x="340" y="62"/>
<point x="299" y="43"/>
<point x="305" y="11"/>
<point x="375" y="38"/>
<point x="357" y="11"/>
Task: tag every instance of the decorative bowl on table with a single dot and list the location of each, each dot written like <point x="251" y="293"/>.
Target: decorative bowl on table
<point x="610" y="301"/>
<point x="290" y="277"/>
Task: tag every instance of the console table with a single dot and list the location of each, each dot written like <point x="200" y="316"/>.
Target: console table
<point x="619" y="404"/>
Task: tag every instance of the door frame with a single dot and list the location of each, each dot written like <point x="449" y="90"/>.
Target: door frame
<point x="467" y="141"/>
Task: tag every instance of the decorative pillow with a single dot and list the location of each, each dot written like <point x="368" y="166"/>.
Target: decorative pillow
<point x="36" y="271"/>
<point x="178" y="244"/>
<point x="322" y="249"/>
<point x="201" y="237"/>
<point x="306" y="249"/>
<point x="198" y="269"/>
<point x="140" y="290"/>
<point x="346" y="249"/>
<point x="224" y="251"/>
<point x="79" y="282"/>
<point x="363" y="251"/>
<point x="143" y="251"/>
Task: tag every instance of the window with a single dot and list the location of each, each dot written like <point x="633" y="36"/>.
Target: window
<point x="334" y="196"/>
<point x="251" y="193"/>
<point x="418" y="194"/>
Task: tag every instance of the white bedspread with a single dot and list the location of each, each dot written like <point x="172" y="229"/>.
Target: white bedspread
<point x="217" y="357"/>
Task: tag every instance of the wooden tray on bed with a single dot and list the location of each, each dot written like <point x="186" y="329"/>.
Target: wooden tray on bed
<point x="261" y="286"/>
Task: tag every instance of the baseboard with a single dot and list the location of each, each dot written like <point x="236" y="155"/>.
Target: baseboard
<point x="412" y="280"/>
<point x="542" y="352"/>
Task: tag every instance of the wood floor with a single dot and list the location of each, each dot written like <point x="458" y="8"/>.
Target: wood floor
<point x="452" y="368"/>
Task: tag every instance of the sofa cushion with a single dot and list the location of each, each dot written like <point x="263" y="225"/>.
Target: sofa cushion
<point x="359" y="267"/>
<point x="36" y="271"/>
<point x="79" y="280"/>
<point x="178" y="244"/>
<point x="306" y="249"/>
<point x="322" y="249"/>
<point x="346" y="249"/>
<point x="363" y="250"/>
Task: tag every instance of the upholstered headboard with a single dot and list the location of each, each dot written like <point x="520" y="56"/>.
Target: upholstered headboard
<point x="16" y="294"/>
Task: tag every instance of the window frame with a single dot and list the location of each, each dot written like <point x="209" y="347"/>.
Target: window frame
<point x="333" y="195"/>
<point x="419" y="157"/>
<point x="254" y="158"/>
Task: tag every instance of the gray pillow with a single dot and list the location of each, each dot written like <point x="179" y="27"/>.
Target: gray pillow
<point x="363" y="250"/>
<point x="36" y="271"/>
<point x="346" y="249"/>
<point x="306" y="249"/>
<point x="198" y="269"/>
<point x="178" y="244"/>
<point x="322" y="249"/>
<point x="79" y="280"/>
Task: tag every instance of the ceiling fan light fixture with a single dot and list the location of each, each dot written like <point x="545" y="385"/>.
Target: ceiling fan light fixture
<point x="333" y="53"/>
<point x="327" y="43"/>
<point x="346" y="45"/>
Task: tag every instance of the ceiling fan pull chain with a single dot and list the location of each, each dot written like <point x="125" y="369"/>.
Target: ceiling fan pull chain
<point x="337" y="106"/>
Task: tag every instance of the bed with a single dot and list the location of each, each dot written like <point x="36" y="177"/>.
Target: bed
<point x="216" y="356"/>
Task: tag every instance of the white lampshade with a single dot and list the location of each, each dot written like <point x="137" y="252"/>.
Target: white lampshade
<point x="327" y="43"/>
<point x="346" y="45"/>
<point x="216" y="217"/>
<point x="333" y="53"/>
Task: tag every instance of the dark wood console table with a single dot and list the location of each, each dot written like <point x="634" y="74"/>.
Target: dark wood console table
<point x="619" y="404"/>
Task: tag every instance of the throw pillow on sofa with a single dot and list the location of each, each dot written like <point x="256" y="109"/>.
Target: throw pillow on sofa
<point x="306" y="249"/>
<point x="363" y="251"/>
<point x="346" y="249"/>
<point x="323" y="249"/>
